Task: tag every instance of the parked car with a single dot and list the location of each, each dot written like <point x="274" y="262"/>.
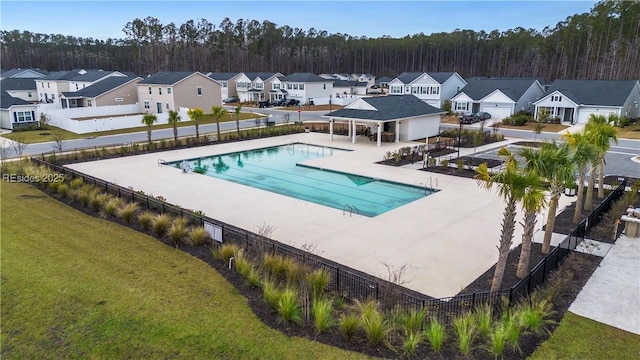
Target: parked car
<point x="291" y="102"/>
<point x="278" y="102"/>
<point x="263" y="104"/>
<point x="229" y="100"/>
<point x="374" y="90"/>
<point x="483" y="115"/>
<point x="468" y="118"/>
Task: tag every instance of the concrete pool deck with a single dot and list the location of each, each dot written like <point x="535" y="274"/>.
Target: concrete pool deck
<point x="446" y="239"/>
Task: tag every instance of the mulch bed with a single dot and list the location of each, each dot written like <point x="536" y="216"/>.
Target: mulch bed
<point x="453" y="171"/>
<point x="580" y="266"/>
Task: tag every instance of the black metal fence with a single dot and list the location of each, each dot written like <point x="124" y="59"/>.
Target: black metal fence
<point x="351" y="283"/>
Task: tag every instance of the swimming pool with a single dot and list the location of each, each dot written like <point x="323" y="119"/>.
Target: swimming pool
<point x="278" y="169"/>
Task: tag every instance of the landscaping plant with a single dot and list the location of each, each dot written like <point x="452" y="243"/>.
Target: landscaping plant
<point x="160" y="225"/>
<point x="436" y="334"/>
<point x="146" y="220"/>
<point x="323" y="318"/>
<point x="289" y="307"/>
<point x="349" y="324"/>
<point x="464" y="328"/>
<point x="198" y="236"/>
<point x="128" y="211"/>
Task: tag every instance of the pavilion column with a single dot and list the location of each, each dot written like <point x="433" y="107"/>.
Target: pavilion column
<point x="349" y="128"/>
<point x="353" y="133"/>
<point x="379" y="135"/>
<point x="330" y="129"/>
<point x="397" y="131"/>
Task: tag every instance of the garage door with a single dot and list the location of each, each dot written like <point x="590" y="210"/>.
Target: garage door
<point x="584" y="115"/>
<point x="498" y="111"/>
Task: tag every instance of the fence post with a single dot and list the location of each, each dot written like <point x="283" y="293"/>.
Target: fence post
<point x="338" y="279"/>
<point x="544" y="269"/>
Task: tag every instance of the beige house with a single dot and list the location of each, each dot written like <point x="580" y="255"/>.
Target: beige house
<point x="110" y="91"/>
<point x="169" y="90"/>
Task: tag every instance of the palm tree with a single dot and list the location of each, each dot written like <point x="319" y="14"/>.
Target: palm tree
<point x="512" y="185"/>
<point x="584" y="154"/>
<point x="174" y="119"/>
<point x="149" y="120"/>
<point x="194" y="115"/>
<point x="218" y="112"/>
<point x="602" y="132"/>
<point x="553" y="162"/>
<point x="237" y="110"/>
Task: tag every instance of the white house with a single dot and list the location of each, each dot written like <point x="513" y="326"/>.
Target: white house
<point x="500" y="97"/>
<point x="575" y="100"/>
<point x="400" y="118"/>
<point x="22" y="88"/>
<point x="349" y="87"/>
<point x="22" y="73"/>
<point x="227" y="82"/>
<point x="370" y="79"/>
<point x="308" y="88"/>
<point x="51" y="86"/>
<point x="433" y="88"/>
<point x="255" y="86"/>
<point x="16" y="113"/>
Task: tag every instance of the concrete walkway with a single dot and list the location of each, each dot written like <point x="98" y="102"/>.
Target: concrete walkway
<point x="612" y="294"/>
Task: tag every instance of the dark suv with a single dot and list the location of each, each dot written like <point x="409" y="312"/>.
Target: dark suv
<point x="291" y="102"/>
<point x="483" y="115"/>
<point x="279" y="102"/>
<point x="468" y="118"/>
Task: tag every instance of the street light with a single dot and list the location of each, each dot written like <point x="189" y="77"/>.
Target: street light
<point x="459" y="138"/>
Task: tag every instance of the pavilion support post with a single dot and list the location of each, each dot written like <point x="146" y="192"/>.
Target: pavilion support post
<point x="379" y="135"/>
<point x="353" y="133"/>
<point x="397" y="131"/>
<point x="330" y="129"/>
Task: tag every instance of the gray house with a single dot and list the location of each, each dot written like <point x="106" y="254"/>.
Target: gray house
<point x="115" y="90"/>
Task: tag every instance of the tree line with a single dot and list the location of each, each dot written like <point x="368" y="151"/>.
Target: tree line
<point x="601" y="44"/>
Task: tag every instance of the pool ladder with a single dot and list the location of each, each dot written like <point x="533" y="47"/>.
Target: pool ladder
<point x="162" y="162"/>
<point x="351" y="208"/>
<point x="430" y="188"/>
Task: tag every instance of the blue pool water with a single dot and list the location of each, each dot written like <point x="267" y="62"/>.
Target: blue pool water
<point x="277" y="169"/>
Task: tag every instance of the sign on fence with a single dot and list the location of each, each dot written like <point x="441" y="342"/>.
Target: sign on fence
<point x="214" y="231"/>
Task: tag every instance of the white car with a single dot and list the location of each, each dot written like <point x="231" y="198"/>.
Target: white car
<point x="374" y="90"/>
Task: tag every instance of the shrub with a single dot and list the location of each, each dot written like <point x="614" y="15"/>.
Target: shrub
<point x="460" y="164"/>
<point x="62" y="190"/>
<point x="271" y="293"/>
<point x="198" y="236"/>
<point x="444" y="163"/>
<point x="464" y="328"/>
<point x="146" y="220"/>
<point x="411" y="343"/>
<point x="535" y="316"/>
<point x="497" y="340"/>
<point x="512" y="328"/>
<point x="484" y="319"/>
<point x="178" y="231"/>
<point x="128" y="211"/>
<point x="253" y="277"/>
<point x="294" y="272"/>
<point x="243" y="265"/>
<point x="97" y="200"/>
<point x="111" y="207"/>
<point x="436" y="334"/>
<point x="226" y="252"/>
<point x="349" y="324"/>
<point x="289" y="306"/>
<point x="318" y="281"/>
<point x="322" y="314"/>
<point x="412" y="321"/>
<point x="85" y="194"/>
<point x="276" y="266"/>
<point x="53" y="186"/>
<point x="76" y="183"/>
<point x="520" y="120"/>
<point x="160" y="224"/>
<point x="373" y="323"/>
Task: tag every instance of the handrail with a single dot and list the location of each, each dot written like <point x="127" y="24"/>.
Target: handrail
<point x="351" y="208"/>
<point x="161" y="162"/>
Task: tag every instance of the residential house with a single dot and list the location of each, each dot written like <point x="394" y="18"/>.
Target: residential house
<point x="168" y="90"/>
<point x="51" y="86"/>
<point x="227" y="82"/>
<point x="308" y="88"/>
<point x="255" y="86"/>
<point x="277" y="88"/>
<point x="500" y="97"/>
<point x="342" y="76"/>
<point x="349" y="87"/>
<point x="370" y="79"/>
<point x="433" y="88"/>
<point x="22" y="73"/>
<point x="16" y="113"/>
<point x="574" y="101"/>
<point x="395" y="118"/>
<point x="22" y="88"/>
<point x="114" y="90"/>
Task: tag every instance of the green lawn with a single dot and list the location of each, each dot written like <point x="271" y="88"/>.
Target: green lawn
<point x="74" y="286"/>
<point x="38" y="136"/>
<point x="582" y="338"/>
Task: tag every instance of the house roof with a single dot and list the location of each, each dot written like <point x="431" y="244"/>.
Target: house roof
<point x="594" y="92"/>
<point x="479" y="87"/>
<point x="304" y="77"/>
<point x="8" y="101"/>
<point x="262" y="75"/>
<point x="223" y="76"/>
<point x="14" y="72"/>
<point x="348" y="83"/>
<point x="18" y="84"/>
<point x="441" y="77"/>
<point x="388" y="108"/>
<point x="409" y="77"/>
<point x="92" y="75"/>
<point x="384" y="79"/>
<point x="166" y="77"/>
<point x="101" y="87"/>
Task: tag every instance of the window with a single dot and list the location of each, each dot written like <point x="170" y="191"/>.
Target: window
<point x="29" y="93"/>
<point x="167" y="106"/>
<point x="146" y="104"/>
<point x="149" y="90"/>
<point x="199" y="88"/>
<point x="434" y="90"/>
<point x="324" y="86"/>
<point x="275" y="86"/>
<point x="289" y="87"/>
<point x="48" y="86"/>
<point x="462" y="106"/>
<point x="40" y="95"/>
<point x="224" y="84"/>
<point x="159" y="91"/>
<point x="295" y="86"/>
<point x="396" y="89"/>
<point x="301" y="86"/>
<point x="23" y="116"/>
<point x="42" y="84"/>
<point x="53" y="96"/>
<point x="259" y="86"/>
<point x="89" y="102"/>
<point x="556" y="98"/>
<point x="169" y="91"/>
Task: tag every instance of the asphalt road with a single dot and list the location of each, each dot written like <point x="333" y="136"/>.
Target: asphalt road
<point x="618" y="158"/>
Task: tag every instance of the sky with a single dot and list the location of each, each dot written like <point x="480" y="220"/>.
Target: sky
<point x="105" y="19"/>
